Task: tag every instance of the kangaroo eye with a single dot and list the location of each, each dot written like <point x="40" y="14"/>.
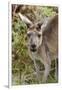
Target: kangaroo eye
<point x="39" y="35"/>
<point x="28" y="34"/>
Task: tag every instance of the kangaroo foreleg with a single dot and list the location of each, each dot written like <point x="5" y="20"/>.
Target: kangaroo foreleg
<point x="37" y="71"/>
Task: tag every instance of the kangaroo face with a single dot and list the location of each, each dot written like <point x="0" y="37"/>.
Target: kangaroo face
<point x="34" y="37"/>
<point x="34" y="34"/>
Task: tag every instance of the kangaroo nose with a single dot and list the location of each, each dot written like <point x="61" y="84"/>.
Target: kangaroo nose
<point x="33" y="45"/>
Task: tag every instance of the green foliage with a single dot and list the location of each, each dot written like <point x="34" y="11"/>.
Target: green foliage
<point x="23" y="71"/>
<point x="48" y="11"/>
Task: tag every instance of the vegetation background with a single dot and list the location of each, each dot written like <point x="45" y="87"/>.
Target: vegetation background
<point x="23" y="71"/>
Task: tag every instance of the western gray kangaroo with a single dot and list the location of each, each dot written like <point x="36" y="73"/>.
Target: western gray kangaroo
<point x="42" y="42"/>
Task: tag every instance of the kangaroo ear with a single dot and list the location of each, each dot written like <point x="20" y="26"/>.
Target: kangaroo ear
<point x="46" y="24"/>
<point x="25" y="20"/>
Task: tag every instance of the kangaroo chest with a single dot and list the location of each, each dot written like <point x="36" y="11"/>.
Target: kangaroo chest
<point x="36" y="56"/>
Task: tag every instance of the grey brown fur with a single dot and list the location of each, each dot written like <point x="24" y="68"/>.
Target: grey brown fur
<point x="43" y="43"/>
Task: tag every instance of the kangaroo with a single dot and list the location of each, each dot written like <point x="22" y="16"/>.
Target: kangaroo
<point x="42" y="43"/>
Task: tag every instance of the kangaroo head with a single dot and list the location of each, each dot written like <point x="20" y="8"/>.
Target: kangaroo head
<point x="34" y="33"/>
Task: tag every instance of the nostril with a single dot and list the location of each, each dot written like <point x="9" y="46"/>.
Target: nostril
<point x="33" y="45"/>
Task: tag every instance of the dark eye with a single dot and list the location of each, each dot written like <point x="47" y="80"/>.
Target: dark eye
<point x="39" y="35"/>
<point x="28" y="34"/>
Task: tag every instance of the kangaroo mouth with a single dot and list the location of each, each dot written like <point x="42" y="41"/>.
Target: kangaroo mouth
<point x="33" y="49"/>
